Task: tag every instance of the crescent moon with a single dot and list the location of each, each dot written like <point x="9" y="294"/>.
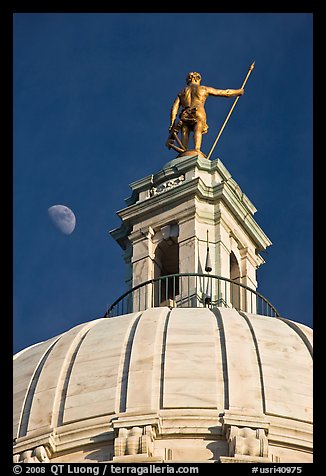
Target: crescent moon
<point x="63" y="218"/>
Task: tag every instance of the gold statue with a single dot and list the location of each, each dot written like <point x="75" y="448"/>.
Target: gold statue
<point x="193" y="116"/>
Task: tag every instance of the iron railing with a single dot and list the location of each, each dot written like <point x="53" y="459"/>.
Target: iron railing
<point x="192" y="290"/>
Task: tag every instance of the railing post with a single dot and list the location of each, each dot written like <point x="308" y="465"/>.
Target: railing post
<point x="245" y="301"/>
<point x="225" y="292"/>
<point x="231" y="293"/>
<point x="188" y="290"/>
<point x="239" y="298"/>
<point x="159" y="291"/>
<point x="173" y="290"/>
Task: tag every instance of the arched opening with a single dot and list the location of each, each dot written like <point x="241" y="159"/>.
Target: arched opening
<point x="235" y="290"/>
<point x="166" y="263"/>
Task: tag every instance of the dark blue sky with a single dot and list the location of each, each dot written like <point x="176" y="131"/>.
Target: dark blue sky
<point x="92" y="95"/>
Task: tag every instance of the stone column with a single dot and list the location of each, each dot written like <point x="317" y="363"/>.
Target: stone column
<point x="142" y="262"/>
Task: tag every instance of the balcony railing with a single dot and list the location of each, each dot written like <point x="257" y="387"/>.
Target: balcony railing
<point x="192" y="290"/>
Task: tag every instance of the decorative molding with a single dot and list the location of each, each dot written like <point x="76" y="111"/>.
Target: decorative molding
<point x="247" y="442"/>
<point x="137" y="210"/>
<point x="165" y="186"/>
<point x="40" y="454"/>
<point x="68" y="438"/>
<point x="34" y="440"/>
<point x="252" y="421"/>
<point x="136" y="440"/>
<point x="244" y="459"/>
<point x="246" y="436"/>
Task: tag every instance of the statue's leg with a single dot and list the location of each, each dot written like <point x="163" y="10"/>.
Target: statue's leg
<point x="198" y="135"/>
<point x="185" y="136"/>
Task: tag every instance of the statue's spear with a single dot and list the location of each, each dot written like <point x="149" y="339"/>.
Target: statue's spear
<point x="233" y="106"/>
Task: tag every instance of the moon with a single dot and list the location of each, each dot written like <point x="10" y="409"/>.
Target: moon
<point x="63" y="218"/>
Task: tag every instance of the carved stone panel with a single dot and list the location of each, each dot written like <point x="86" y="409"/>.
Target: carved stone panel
<point x="247" y="441"/>
<point x="135" y="440"/>
<point x="40" y="454"/>
<point x="165" y="186"/>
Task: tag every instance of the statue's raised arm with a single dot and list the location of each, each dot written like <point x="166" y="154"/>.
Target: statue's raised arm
<point x="227" y="93"/>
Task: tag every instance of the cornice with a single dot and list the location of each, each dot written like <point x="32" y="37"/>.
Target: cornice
<point x="191" y="188"/>
<point x="152" y="204"/>
<point x="239" y="209"/>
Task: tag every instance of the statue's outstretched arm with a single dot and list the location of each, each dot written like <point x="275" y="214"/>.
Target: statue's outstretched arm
<point x="174" y="111"/>
<point x="224" y="92"/>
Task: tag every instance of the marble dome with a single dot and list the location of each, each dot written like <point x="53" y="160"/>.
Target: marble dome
<point x="178" y="385"/>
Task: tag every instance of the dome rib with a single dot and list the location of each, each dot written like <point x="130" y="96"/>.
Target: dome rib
<point x="30" y="395"/>
<point x="145" y="371"/>
<point x="224" y="360"/>
<point x="65" y="373"/>
<point x="300" y="330"/>
<point x="53" y="375"/>
<point x="126" y="364"/>
<point x="245" y="379"/>
<point x="286" y="364"/>
<point x="162" y="366"/>
<point x="26" y="372"/>
<point x="259" y="363"/>
<point x="94" y="386"/>
<point x="190" y="344"/>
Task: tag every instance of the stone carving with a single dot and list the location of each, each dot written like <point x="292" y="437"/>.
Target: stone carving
<point x="40" y="454"/>
<point x="247" y="441"/>
<point x="136" y="440"/>
<point x="163" y="187"/>
<point x="120" y="443"/>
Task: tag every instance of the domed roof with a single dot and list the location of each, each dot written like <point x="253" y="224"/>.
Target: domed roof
<point x="186" y="370"/>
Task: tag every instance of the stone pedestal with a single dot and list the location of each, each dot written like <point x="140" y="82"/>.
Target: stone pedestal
<point x="195" y="196"/>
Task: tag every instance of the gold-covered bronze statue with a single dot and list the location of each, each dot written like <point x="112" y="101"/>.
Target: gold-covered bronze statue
<point x="192" y="116"/>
